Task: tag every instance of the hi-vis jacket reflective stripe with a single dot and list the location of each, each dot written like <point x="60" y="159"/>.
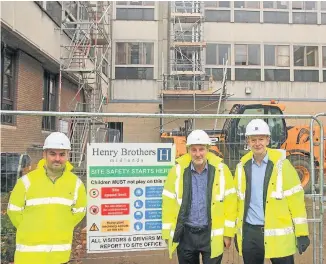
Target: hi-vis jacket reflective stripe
<point x="45" y="214"/>
<point x="285" y="213"/>
<point x="221" y="197"/>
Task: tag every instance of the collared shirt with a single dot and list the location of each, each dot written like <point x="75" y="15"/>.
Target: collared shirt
<point x="198" y="210"/>
<point x="256" y="214"/>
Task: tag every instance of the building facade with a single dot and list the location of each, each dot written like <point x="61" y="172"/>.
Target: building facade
<point x="275" y="50"/>
<point x="164" y="57"/>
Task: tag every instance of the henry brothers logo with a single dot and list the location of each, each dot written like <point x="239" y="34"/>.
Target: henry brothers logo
<point x="162" y="154"/>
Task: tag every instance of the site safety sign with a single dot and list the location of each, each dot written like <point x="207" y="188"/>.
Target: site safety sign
<point x="124" y="184"/>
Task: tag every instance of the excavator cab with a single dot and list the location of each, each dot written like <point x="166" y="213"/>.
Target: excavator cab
<point x="235" y="145"/>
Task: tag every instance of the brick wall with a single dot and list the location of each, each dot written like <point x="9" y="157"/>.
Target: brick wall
<point x="27" y="132"/>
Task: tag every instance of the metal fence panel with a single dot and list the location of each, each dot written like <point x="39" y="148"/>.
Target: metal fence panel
<point x="305" y="149"/>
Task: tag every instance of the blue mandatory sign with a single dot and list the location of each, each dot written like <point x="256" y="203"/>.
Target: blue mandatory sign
<point x="138" y="204"/>
<point x="154" y="203"/>
<point x="138" y="215"/>
<point x="153" y="214"/>
<point x="153" y="191"/>
<point x="154" y="225"/>
<point x="139" y="192"/>
<point x="138" y="226"/>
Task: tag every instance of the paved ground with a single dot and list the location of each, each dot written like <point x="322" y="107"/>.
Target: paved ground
<point x="230" y="256"/>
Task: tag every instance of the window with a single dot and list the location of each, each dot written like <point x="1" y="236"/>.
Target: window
<point x="323" y="18"/>
<point x="7" y="83"/>
<point x="210" y="3"/>
<point x="105" y="67"/>
<point x="305" y="56"/>
<point x="306" y="76"/>
<point x="216" y="74"/>
<point x="246" y="16"/>
<point x="303" y="5"/>
<point x="146" y="14"/>
<point x="215" y="53"/>
<point x="224" y="4"/>
<point x="134" y="53"/>
<point x="247" y="75"/>
<point x="246" y="4"/>
<point x="136" y="3"/>
<point x="324" y="57"/>
<point x="115" y="132"/>
<point x="323" y="5"/>
<point x="217" y="16"/>
<point x="49" y="100"/>
<point x="277" y="55"/>
<point x="134" y="73"/>
<point x="276" y="4"/>
<point x="304" y="18"/>
<point x="276" y="17"/>
<point x="247" y="54"/>
<point x="324" y="75"/>
<point x="276" y="75"/>
<point x="52" y="9"/>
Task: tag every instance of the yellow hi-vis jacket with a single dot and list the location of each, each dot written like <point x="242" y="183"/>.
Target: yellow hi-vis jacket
<point x="221" y="196"/>
<point x="45" y="214"/>
<point x="283" y="200"/>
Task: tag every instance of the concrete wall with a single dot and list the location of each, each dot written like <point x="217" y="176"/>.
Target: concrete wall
<point x="264" y="33"/>
<point x="137" y="130"/>
<point x="141" y="31"/>
<point x="36" y="26"/>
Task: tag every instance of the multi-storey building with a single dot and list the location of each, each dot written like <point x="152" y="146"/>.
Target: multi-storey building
<point x="163" y="57"/>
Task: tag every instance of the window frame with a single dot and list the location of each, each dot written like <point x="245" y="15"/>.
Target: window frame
<point x="278" y="56"/>
<point x="127" y="53"/>
<point x="217" y="52"/>
<point x="142" y="8"/>
<point x="275" y="6"/>
<point x="132" y="3"/>
<point x="9" y="119"/>
<point x="247" y="55"/>
<point x="50" y="100"/>
<point x="246" y="5"/>
<point x="305" y="60"/>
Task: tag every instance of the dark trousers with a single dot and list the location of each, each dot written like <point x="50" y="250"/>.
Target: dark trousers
<point x="196" y="241"/>
<point x="253" y="249"/>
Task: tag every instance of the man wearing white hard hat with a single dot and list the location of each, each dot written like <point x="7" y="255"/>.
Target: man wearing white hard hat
<point x="272" y="218"/>
<point x="46" y="205"/>
<point x="199" y="204"/>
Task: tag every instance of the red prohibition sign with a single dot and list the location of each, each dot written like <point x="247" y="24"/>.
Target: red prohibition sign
<point x="94" y="193"/>
<point x="94" y="209"/>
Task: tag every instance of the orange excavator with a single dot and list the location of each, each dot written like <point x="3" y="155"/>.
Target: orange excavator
<point x="230" y="143"/>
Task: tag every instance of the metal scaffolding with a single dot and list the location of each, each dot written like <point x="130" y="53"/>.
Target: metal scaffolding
<point x="187" y="70"/>
<point x="85" y="58"/>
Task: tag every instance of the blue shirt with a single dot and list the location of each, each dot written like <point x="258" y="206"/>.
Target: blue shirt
<point x="256" y="214"/>
<point x="198" y="210"/>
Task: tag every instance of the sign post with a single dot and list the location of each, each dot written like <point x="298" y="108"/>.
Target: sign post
<point x="125" y="183"/>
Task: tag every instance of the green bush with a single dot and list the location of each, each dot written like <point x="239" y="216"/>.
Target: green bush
<point x="8" y="233"/>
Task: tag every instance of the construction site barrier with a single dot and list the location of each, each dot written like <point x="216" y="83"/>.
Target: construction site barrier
<point x="302" y="136"/>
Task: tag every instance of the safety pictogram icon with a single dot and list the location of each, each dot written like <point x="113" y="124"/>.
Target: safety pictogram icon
<point x="94" y="193"/>
<point x="94" y="227"/>
<point x="94" y="209"/>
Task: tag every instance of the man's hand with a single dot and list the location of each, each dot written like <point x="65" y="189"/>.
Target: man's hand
<point x="302" y="243"/>
<point x="227" y="241"/>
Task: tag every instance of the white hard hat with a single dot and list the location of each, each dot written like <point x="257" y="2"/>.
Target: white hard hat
<point x="198" y="137"/>
<point x="257" y="127"/>
<point x="57" y="140"/>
